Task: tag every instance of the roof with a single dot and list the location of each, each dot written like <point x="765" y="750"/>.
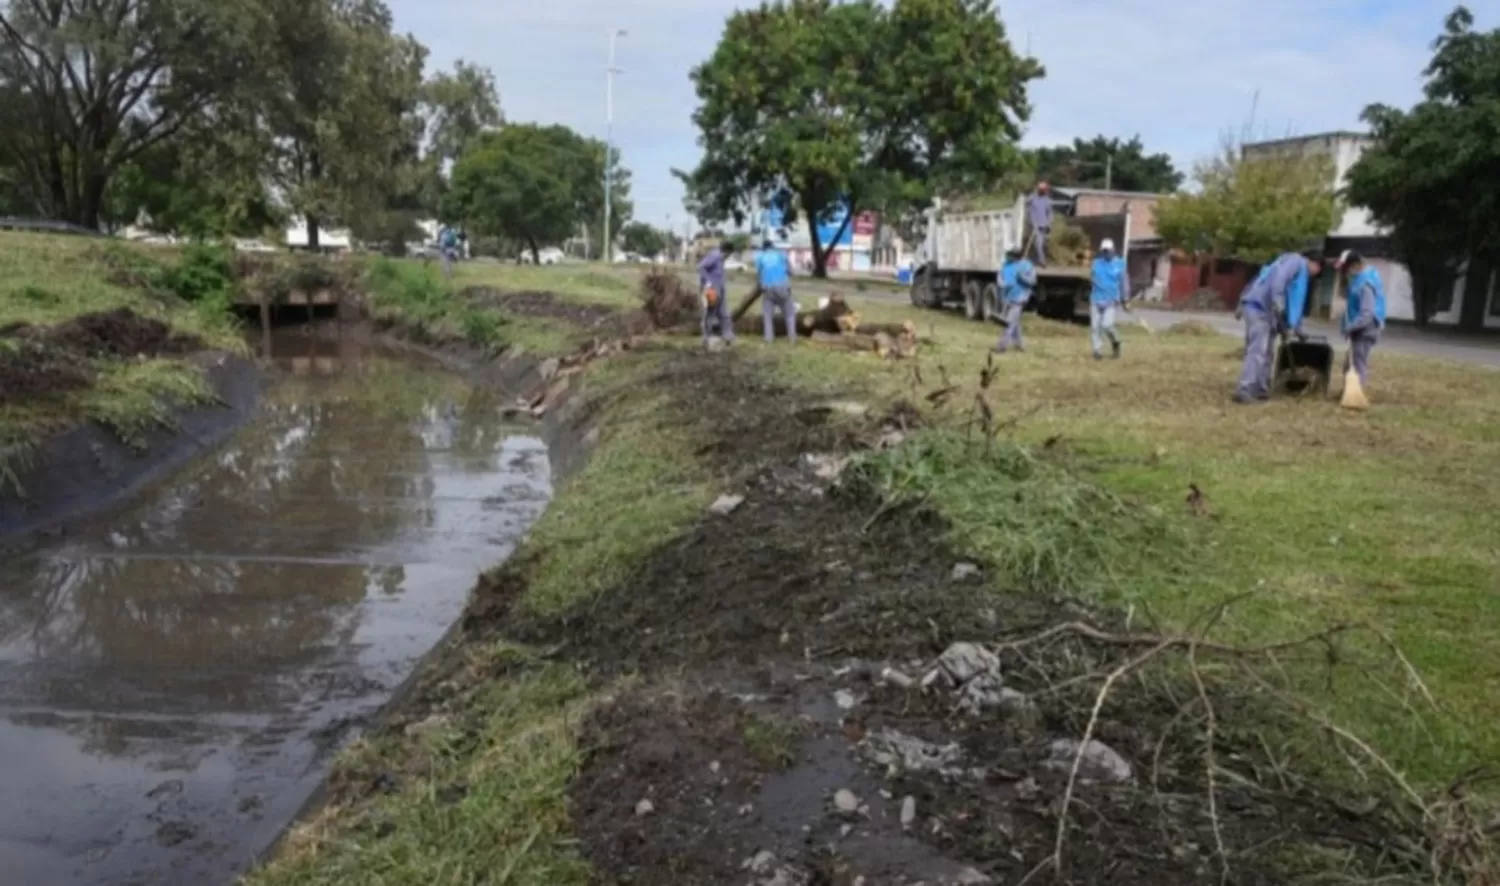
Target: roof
<point x="1317" y="136"/>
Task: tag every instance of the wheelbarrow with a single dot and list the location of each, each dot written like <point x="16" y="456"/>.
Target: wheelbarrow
<point x="1303" y="367"/>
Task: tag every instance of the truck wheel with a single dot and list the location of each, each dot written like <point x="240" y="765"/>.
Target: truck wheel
<point x="988" y="308"/>
<point x="972" y="297"/>
<point x="921" y="289"/>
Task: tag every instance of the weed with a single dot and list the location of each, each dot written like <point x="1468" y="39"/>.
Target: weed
<point x="772" y="743"/>
<point x="204" y="273"/>
<point x="135" y="397"/>
<point x="481" y="328"/>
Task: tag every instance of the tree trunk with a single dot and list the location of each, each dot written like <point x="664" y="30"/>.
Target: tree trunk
<point x="536" y="253"/>
<point x="93" y="199"/>
<point x="313" y="242"/>
<point x="821" y="253"/>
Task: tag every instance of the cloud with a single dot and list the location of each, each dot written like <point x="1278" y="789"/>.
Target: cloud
<point x="1179" y="75"/>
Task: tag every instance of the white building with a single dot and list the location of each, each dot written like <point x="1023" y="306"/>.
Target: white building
<point x="1356" y="230"/>
<point x="329" y="239"/>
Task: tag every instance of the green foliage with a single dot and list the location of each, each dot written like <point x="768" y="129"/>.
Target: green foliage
<point x="206" y="271"/>
<point x="1107" y="162"/>
<point x="643" y="239"/>
<point x="884" y="107"/>
<point x="1430" y="174"/>
<point x="459" y="106"/>
<point x="416" y="296"/>
<point x="534" y="185"/>
<point x="86" y="88"/>
<point x="1252" y="208"/>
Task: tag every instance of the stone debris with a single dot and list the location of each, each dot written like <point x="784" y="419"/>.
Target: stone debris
<point x="900" y="752"/>
<point x="971" y="877"/>
<point x="644" y="808"/>
<point x="849" y="407"/>
<point x="965" y="661"/>
<point x="933" y="677"/>
<point x="897" y="679"/>
<point x="725" y="505"/>
<point x="963" y="572"/>
<point x="1100" y="761"/>
<point x="714" y="767"/>
<point x="764" y="862"/>
<point x="908" y="812"/>
<point x="825" y="467"/>
<point x="845" y="801"/>
<point x="548" y="368"/>
<point x="845" y="700"/>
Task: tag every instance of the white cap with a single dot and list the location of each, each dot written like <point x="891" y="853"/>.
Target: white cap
<point x="1107" y="246"/>
<point x="1344" y="258"/>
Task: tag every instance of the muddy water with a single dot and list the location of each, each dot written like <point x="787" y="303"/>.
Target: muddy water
<point x="174" y="676"/>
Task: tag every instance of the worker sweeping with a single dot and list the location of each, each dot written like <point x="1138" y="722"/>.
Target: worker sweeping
<point x="1272" y="306"/>
<point x="1110" y="287"/>
<point x="715" y="297"/>
<point x="1039" y="215"/>
<point x="1017" y="280"/>
<point x="775" y="278"/>
<point x="1364" y="312"/>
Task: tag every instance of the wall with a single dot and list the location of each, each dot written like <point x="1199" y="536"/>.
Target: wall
<point x="1345" y="148"/>
<point x="1142" y="209"/>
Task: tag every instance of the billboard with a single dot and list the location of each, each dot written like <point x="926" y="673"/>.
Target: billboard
<point x="776" y="229"/>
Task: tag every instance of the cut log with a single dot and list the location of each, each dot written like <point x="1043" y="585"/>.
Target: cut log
<point x="745" y="306"/>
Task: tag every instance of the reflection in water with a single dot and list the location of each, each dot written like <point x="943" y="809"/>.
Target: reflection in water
<point x="175" y="666"/>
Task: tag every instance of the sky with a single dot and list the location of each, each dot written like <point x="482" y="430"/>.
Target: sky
<point x="1178" y="75"/>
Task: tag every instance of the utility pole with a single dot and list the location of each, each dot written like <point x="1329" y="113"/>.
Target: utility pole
<point x="609" y="125"/>
<point x="1109" y="172"/>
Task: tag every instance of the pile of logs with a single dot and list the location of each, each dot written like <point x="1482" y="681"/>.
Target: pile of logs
<point x="836" y="325"/>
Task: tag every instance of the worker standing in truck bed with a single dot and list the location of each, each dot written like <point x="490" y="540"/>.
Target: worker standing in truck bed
<point x="1039" y="215"/>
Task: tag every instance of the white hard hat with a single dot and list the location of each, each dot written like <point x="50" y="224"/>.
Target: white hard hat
<point x="1107" y="246"/>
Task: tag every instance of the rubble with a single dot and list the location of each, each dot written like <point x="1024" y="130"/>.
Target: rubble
<point x="644" y="808"/>
<point x="1100" y="761"/>
<point x="845" y="801"/>
<point x="908" y="812"/>
<point x="965" y="661"/>
<point x="963" y="572"/>
<point x="725" y="505"/>
<point x="900" y="752"/>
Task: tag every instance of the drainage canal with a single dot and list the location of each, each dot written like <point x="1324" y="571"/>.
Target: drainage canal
<point x="175" y="675"/>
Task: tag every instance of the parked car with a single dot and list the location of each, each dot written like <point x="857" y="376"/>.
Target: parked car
<point x="734" y="264"/>
<point x="551" y="256"/>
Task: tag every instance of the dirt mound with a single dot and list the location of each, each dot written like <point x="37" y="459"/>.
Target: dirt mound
<point x="118" y="333"/>
<point x="39" y="361"/>
<point x="594" y="317"/>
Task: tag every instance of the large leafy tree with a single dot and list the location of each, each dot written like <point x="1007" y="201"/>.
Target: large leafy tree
<point x="1251" y="208"/>
<point x="533" y="185"/>
<point x="1107" y="162"/>
<point x="856" y="104"/>
<point x="459" y="105"/>
<point x="88" y="87"/>
<point x="643" y="239"/>
<point x="1432" y="175"/>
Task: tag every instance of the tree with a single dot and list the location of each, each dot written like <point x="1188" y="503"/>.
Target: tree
<point x="1252" y="208"/>
<point x="643" y="239"/>
<point x="85" y="88"/>
<point x="341" y="99"/>
<point x="459" y="106"/>
<point x="1104" y="162"/>
<point x="532" y="184"/>
<point x="843" y="107"/>
<point x="1432" y="175"/>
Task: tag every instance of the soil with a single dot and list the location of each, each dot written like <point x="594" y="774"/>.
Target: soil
<point x="762" y="638"/>
<point x="601" y="319"/>
<point x="41" y="361"/>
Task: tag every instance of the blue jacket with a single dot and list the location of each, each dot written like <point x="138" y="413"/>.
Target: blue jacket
<point x="1110" y="286"/>
<point x="771" y="269"/>
<point x="1365" y="311"/>
<point x="711" y="270"/>
<point x="1017" y="279"/>
<point x="1280" y="288"/>
<point x="447" y="238"/>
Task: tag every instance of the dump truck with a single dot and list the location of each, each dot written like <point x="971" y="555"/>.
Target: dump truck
<point x="958" y="264"/>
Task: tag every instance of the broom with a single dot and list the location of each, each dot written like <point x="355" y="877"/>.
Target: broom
<point x="1354" y="392"/>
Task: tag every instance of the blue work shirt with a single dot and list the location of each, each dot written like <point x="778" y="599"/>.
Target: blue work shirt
<point x="1017" y="279"/>
<point x="1109" y="280"/>
<point x="711" y="270"/>
<point x="771" y="269"/>
<point x="1365" y="303"/>
<point x="1039" y="211"/>
<point x="1281" y="289"/>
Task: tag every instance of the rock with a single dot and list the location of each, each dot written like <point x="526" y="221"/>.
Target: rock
<point x="899" y="751"/>
<point x="763" y="862"/>
<point x="897" y="679"/>
<point x="845" y="801"/>
<point x="849" y="407"/>
<point x="166" y="789"/>
<point x="746" y="810"/>
<point x="644" y="808"/>
<point x="547" y="369"/>
<point x="933" y="677"/>
<point x="966" y="572"/>
<point x="714" y="344"/>
<point x="725" y="505"/>
<point x="714" y="767"/>
<point x="908" y="812"/>
<point x="965" y="661"/>
<point x="1015" y="702"/>
<point x="825" y="467"/>
<point x="845" y="700"/>
<point x="1100" y="761"/>
<point x="971" y="877"/>
<point x="431" y="724"/>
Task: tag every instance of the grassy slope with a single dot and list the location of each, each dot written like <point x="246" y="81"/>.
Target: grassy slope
<point x="1321" y="516"/>
<point x="50" y="279"/>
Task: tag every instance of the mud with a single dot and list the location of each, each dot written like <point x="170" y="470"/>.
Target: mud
<point x="762" y="638"/>
<point x="36" y="362"/>
<point x="601" y="319"/>
<point x="175" y="676"/>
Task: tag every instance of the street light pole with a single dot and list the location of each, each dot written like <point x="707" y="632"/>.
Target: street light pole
<point x="609" y="126"/>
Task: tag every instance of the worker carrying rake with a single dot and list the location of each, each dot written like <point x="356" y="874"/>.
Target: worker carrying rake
<point x="1273" y="306"/>
<point x="714" y="297"/>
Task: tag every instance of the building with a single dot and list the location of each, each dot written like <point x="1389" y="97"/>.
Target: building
<point x="329" y="239"/>
<point x="1471" y="303"/>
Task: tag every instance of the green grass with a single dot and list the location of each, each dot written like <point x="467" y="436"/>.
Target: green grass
<point x="583" y="283"/>
<point x="1317" y="515"/>
<point x="415" y="296"/>
<point x="479" y="796"/>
